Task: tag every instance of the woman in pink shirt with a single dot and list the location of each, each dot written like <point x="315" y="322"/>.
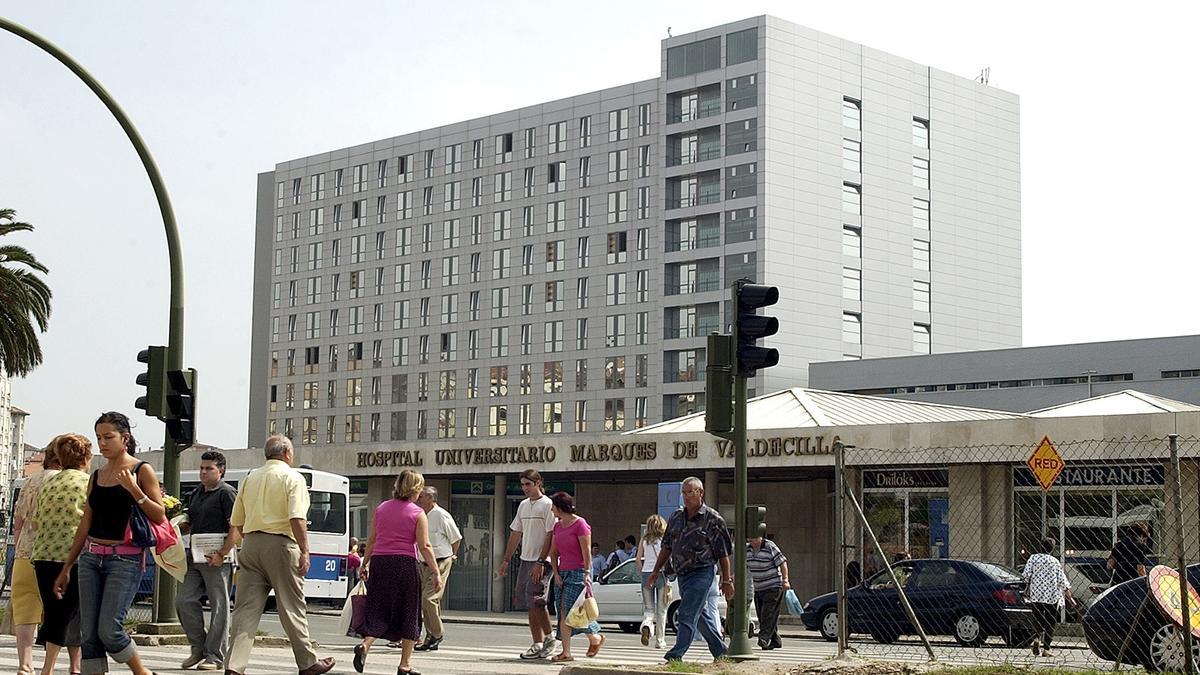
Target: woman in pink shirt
<point x="398" y="531"/>
<point x="570" y="561"/>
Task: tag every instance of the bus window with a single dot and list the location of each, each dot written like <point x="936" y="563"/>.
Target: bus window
<point x="327" y="512"/>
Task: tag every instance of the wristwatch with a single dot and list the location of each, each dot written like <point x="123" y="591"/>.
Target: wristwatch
<point x="143" y="500"/>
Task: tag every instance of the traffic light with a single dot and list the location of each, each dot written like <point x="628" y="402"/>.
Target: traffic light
<point x="718" y="389"/>
<point x="751" y="327"/>
<point x="154" y="402"/>
<point x="181" y="404"/>
<point x="756" y="522"/>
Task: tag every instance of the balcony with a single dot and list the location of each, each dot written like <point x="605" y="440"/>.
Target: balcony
<point x="686" y="201"/>
<point x="704" y="109"/>
<point x="696" y="155"/>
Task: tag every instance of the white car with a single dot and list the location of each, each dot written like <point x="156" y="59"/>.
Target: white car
<point x="619" y="595"/>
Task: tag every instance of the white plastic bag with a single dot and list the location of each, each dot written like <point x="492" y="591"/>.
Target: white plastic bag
<point x="348" y="609"/>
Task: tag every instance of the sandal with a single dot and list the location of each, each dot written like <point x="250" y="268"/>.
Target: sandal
<point x="560" y="658"/>
<point x="594" y="649"/>
<point x="410" y="671"/>
<point x="360" y="657"/>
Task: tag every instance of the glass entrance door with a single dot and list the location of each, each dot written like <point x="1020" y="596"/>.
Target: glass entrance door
<point x="470" y="578"/>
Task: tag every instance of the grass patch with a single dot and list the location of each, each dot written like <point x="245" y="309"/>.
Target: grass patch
<point x="1013" y="670"/>
<point x="683" y="667"/>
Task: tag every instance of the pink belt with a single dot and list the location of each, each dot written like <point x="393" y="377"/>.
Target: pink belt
<point x="113" y="549"/>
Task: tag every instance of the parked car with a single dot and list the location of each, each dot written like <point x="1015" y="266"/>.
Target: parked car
<point x="1155" y="642"/>
<point x="1088" y="576"/>
<point x="619" y="595"/>
<point x="967" y="599"/>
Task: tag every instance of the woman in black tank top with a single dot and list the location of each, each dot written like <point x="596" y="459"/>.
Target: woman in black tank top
<point x="109" y="566"/>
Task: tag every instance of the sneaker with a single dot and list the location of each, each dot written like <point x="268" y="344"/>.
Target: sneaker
<point x="1037" y="646"/>
<point x="534" y="652"/>
<point x="645" y="634"/>
<point x="548" y="647"/>
<point x="660" y="644"/>
<point x="209" y="665"/>
<point x="192" y="661"/>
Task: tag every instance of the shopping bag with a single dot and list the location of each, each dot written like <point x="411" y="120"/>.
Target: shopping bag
<point x="346" y="623"/>
<point x="585" y="610"/>
<point x="793" y="603"/>
<point x="169" y="553"/>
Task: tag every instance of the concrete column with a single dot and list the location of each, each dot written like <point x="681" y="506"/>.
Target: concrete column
<point x="967" y="504"/>
<point x="1165" y="529"/>
<point x="499" y="538"/>
<point x="712" y="488"/>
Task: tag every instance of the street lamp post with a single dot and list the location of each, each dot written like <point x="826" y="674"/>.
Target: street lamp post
<point x="164" y="598"/>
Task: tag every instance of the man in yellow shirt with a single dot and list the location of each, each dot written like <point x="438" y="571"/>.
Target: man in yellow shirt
<point x="271" y="515"/>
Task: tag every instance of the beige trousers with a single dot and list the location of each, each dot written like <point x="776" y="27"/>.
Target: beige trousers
<point x="269" y="562"/>
<point x="431" y="601"/>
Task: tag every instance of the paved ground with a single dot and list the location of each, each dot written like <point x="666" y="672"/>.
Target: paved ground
<point x="481" y="648"/>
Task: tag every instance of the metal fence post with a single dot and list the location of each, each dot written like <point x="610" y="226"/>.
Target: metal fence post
<point x="839" y="544"/>
<point x="1181" y="562"/>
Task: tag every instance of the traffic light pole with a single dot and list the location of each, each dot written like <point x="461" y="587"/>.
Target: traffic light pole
<point x="740" y="647"/>
<point x="164" y="598"/>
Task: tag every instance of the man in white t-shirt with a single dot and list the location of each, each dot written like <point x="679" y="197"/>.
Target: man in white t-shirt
<point x="532" y="528"/>
<point x="444" y="537"/>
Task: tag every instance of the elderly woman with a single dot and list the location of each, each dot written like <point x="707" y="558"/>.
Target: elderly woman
<point x="1048" y="588"/>
<point x="399" y="533"/>
<point x="26" y="604"/>
<point x="59" y="510"/>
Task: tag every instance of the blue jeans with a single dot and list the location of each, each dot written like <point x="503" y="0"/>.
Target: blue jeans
<point x="107" y="585"/>
<point x="695" y="611"/>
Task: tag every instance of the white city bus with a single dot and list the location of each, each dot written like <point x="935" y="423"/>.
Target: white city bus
<point x="328" y="527"/>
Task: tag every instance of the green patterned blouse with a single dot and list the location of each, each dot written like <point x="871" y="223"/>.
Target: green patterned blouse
<point x="59" y="510"/>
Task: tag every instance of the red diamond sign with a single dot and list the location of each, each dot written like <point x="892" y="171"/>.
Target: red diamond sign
<point x="1045" y="463"/>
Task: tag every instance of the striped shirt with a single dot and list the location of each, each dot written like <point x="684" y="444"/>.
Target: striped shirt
<point x="764" y="566"/>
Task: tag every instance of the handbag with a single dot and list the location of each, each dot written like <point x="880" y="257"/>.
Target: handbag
<point x="585" y="610"/>
<point x="138" y="532"/>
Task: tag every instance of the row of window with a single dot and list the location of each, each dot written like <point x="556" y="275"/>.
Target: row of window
<point x="448" y="422"/>
<point x="402" y="168"/>
<point x="852" y="337"/>
<point x="1001" y="384"/>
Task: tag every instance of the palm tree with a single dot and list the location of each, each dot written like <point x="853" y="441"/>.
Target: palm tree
<point x="24" y="301"/>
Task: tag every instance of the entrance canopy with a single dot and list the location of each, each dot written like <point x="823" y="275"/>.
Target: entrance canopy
<point x="800" y="408"/>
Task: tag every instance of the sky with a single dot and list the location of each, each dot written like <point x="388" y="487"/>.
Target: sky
<point x="223" y="90"/>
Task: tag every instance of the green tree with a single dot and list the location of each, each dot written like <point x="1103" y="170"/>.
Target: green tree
<point x="24" y="301"/>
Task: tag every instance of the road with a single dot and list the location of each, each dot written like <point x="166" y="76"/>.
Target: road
<point x="471" y="648"/>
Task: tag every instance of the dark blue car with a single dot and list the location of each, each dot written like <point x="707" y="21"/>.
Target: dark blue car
<point x="1154" y="643"/>
<point x="968" y="599"/>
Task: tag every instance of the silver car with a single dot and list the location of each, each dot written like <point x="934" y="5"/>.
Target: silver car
<point x="619" y="595"/>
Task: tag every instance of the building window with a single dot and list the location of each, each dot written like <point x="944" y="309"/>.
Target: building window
<point x="920" y="255"/>
<point x="498" y="420"/>
<point x="920" y="130"/>
<point x="552" y="377"/>
<point x="554" y="336"/>
<point x="851" y="113"/>
<point x="921" y="338"/>
<point x="580" y="416"/>
<point x="851" y="284"/>
<point x="920" y="209"/>
<point x="615" y="335"/>
<point x="429" y="163"/>
<point x="618" y="247"/>
<point x="618" y="125"/>
<point x="614" y="414"/>
<point x="504" y="146"/>
<point x="852" y="199"/>
<point x="851" y="155"/>
<point x="556" y="137"/>
<point x="615" y="289"/>
<point x="581" y="330"/>
<point x="851" y="335"/>
<point x="530" y="142"/>
<point x="581" y="375"/>
<point x="581" y="293"/>
<point x="851" y="242"/>
<point x="618" y="165"/>
<point x="920" y="169"/>
<point x="453" y="158"/>
<point x="552" y="418"/>
<point x="499" y="342"/>
<point x="921" y="296"/>
<point x="644" y="119"/>
<point x="446" y="423"/>
<point x="618" y="206"/>
<point x="614" y="372"/>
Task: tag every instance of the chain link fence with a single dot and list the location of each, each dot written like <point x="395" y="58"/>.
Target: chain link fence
<point x="940" y="553"/>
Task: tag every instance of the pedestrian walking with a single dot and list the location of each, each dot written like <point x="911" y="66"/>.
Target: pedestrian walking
<point x="1048" y="589"/>
<point x="399" y="533"/>
<point x="25" y="598"/>
<point x="654" y="598"/>
<point x="60" y="505"/>
<point x="1129" y="555"/>
<point x="532" y="529"/>
<point x="109" y="569"/>
<point x="597" y="562"/>
<point x="210" y="508"/>
<point x="769" y="572"/>
<point x="353" y="562"/>
<point x="569" y="563"/>
<point x="445" y="538"/>
<point x="696" y="540"/>
<point x="270" y="515"/>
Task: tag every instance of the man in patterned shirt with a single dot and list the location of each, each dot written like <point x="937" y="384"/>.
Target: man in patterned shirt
<point x="695" y="541"/>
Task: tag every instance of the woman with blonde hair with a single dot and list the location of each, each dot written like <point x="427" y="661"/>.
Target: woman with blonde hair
<point x="26" y="603"/>
<point x="399" y="533"/>
<point x="654" y="600"/>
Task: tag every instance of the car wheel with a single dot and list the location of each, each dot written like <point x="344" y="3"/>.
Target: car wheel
<point x="1164" y="652"/>
<point x="827" y="624"/>
<point x="671" y="610"/>
<point x="968" y="631"/>
<point x="884" y="636"/>
<point x="627" y="627"/>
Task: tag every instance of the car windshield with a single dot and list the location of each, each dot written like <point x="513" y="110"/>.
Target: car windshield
<point x="1096" y="573"/>
<point x="998" y="572"/>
